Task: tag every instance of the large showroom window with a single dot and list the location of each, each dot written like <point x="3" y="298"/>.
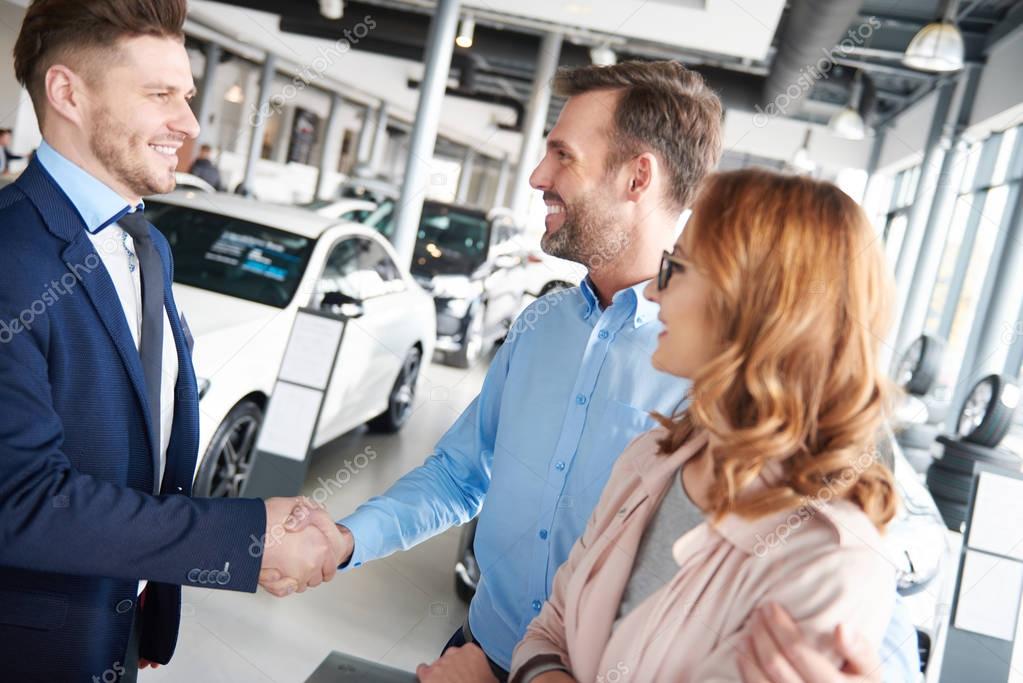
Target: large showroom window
<point x="992" y="176"/>
<point x="903" y="191"/>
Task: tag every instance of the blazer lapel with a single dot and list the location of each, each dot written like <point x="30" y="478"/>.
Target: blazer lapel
<point x="82" y="260"/>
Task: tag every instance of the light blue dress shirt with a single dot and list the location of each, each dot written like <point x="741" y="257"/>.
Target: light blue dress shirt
<point x="566" y="393"/>
<point x="96" y="203"/>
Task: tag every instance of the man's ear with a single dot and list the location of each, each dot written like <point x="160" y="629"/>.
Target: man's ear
<point x="641" y="175"/>
<point x="64" y="93"/>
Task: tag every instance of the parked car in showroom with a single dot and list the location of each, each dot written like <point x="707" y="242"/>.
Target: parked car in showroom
<point x="242" y="269"/>
<point x="474" y="264"/>
<point x="345" y="209"/>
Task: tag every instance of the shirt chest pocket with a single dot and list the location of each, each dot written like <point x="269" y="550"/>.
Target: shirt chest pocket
<point x="620" y="423"/>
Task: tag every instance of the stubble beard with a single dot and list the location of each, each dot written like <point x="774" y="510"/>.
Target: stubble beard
<point x="119" y="155"/>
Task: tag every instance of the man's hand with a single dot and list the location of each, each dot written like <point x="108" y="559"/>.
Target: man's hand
<point x="302" y="547"/>
<point x="777" y="652"/>
<point x="466" y="664"/>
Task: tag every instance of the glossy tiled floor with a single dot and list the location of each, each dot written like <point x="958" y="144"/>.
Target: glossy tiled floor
<point x="399" y="610"/>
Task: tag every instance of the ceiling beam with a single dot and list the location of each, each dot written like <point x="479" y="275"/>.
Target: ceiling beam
<point x="1009" y="26"/>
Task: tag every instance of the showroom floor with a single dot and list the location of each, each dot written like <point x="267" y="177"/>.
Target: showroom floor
<point x="399" y="611"/>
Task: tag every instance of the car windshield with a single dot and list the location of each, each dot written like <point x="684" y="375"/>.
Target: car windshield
<point x="450" y="241"/>
<point x="232" y="256"/>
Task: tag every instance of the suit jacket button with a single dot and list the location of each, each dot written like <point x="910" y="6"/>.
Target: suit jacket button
<point x="193" y="575"/>
<point x="124" y="606"/>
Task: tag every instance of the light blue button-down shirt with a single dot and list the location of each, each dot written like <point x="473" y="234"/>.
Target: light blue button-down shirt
<point x="565" y="394"/>
<point x="98" y="205"/>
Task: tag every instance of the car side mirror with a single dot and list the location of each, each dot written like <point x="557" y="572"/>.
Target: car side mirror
<point x="342" y="305"/>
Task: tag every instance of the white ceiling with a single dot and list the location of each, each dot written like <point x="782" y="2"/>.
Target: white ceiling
<point x="736" y="28"/>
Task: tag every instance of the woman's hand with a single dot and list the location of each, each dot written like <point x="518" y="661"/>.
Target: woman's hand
<point x="778" y="653"/>
<point x="466" y="664"/>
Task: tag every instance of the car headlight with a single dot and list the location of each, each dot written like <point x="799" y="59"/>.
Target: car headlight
<point x="456" y="287"/>
<point x="204" y="386"/>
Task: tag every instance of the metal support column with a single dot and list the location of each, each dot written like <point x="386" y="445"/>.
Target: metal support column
<point x="994" y="327"/>
<point x="536" y="118"/>
<point x="206" y="95"/>
<point x="939" y="218"/>
<point x="330" y="146"/>
<point x="376" y="151"/>
<point x="437" y="60"/>
<point x="501" y="189"/>
<point x="465" y="176"/>
<point x="257" y="119"/>
<point x="982" y="177"/>
<point x="930" y="171"/>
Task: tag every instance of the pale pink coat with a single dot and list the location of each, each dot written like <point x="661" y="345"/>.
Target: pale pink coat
<point x="823" y="563"/>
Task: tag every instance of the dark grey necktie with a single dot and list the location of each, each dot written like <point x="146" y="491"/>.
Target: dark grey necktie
<point x="151" y="346"/>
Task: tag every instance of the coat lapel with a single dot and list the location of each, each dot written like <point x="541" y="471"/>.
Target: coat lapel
<point x="82" y="260"/>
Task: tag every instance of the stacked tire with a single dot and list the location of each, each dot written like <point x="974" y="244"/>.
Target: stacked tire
<point x="916" y="372"/>
<point x="984" y="420"/>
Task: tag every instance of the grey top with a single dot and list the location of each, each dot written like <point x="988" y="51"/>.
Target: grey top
<point x="655" y="565"/>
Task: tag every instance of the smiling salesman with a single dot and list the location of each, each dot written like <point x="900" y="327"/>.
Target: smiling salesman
<point x="99" y="410"/>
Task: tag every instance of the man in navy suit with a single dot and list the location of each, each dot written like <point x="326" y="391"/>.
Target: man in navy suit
<point x="98" y="400"/>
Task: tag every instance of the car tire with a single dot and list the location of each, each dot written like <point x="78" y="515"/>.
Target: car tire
<point x="466" y="567"/>
<point x="919" y="436"/>
<point x="473" y="342"/>
<point x="953" y="512"/>
<point x="963" y="455"/>
<point x="998" y="402"/>
<point x="949" y="484"/>
<point x="402" y="396"/>
<point x="920" y="365"/>
<point x="554" y="286"/>
<point x="227" y="462"/>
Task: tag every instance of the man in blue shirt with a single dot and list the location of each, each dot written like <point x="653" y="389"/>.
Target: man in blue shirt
<point x="573" y="384"/>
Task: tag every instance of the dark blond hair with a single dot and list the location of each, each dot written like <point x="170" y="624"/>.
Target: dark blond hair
<point x="76" y="32"/>
<point x="664" y="108"/>
<point x="800" y="299"/>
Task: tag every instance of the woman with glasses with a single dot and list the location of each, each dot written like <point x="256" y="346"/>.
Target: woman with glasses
<point x="763" y="493"/>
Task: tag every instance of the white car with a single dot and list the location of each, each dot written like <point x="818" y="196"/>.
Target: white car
<point x="242" y="269"/>
<point x="355" y="210"/>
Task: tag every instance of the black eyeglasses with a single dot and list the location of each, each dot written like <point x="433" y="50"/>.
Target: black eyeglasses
<point x="669" y="264"/>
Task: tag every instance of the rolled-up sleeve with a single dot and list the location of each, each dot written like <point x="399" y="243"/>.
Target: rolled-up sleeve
<point x="447" y="489"/>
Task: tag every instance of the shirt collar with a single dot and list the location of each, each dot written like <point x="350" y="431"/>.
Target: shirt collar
<point x="642" y="310"/>
<point x="97" y="204"/>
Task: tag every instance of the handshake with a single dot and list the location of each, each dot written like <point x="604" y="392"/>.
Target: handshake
<point x="302" y="547"/>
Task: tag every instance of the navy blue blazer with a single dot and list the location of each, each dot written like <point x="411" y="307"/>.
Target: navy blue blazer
<point x="79" y="522"/>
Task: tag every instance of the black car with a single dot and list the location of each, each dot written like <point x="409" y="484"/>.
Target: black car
<point x="474" y="264"/>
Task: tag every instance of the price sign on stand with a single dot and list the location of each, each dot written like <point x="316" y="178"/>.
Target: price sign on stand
<point x="281" y="457"/>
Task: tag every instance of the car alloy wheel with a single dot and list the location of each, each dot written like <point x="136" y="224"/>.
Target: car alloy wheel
<point x="403" y="394"/>
<point x="919" y="366"/>
<point x="987" y="412"/>
<point x="228" y="460"/>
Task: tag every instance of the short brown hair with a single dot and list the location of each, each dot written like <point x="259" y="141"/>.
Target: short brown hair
<point x="62" y="30"/>
<point x="664" y="108"/>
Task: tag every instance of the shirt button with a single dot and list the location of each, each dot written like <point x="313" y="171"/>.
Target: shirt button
<point x="559" y="466"/>
<point x="603" y="334"/>
<point x="537" y="605"/>
<point x="543" y="534"/>
<point x="580" y="399"/>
